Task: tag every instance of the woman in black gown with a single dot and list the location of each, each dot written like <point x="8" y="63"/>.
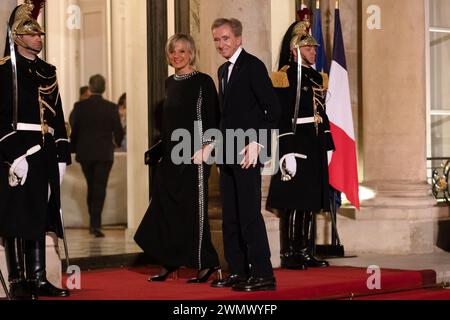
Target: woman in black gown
<point x="175" y="229"/>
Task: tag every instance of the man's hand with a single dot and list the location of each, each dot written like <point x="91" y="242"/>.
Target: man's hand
<point x="251" y="155"/>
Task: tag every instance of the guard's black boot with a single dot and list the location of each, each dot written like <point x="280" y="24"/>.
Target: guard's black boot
<point x="305" y="241"/>
<point x="18" y="288"/>
<point x="289" y="259"/>
<point x="36" y="274"/>
<point x="306" y="256"/>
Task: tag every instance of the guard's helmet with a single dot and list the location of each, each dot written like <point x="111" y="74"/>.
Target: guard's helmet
<point x="303" y="40"/>
<point x="301" y="36"/>
<point x="22" y="22"/>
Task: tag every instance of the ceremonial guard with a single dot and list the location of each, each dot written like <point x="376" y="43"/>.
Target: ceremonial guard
<point x="300" y="189"/>
<point x="34" y="151"/>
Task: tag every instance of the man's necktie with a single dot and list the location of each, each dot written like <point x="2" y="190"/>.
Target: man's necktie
<point x="225" y="76"/>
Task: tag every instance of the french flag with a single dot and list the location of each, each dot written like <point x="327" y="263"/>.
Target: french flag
<point x="321" y="61"/>
<point x="343" y="167"/>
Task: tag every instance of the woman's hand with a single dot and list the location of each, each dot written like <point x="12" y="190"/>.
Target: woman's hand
<point x="203" y="154"/>
<point x="198" y="157"/>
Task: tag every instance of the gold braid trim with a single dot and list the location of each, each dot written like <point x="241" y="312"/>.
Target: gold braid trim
<point x="319" y="92"/>
<point x="49" y="89"/>
<point x="4" y="60"/>
<point x="42" y="76"/>
<point x="45" y="104"/>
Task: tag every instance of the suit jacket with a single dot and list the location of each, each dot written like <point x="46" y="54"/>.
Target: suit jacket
<point x="249" y="101"/>
<point x="95" y="123"/>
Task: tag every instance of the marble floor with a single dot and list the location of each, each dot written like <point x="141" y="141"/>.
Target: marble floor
<point x="116" y="241"/>
<point x="120" y="242"/>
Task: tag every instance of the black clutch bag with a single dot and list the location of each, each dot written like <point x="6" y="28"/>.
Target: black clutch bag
<point x="154" y="154"/>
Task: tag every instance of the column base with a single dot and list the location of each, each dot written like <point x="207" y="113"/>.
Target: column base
<point x="402" y="218"/>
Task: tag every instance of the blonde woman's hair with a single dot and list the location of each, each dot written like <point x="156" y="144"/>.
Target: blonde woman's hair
<point x="190" y="45"/>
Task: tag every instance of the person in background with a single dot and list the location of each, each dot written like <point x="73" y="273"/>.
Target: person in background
<point x="122" y="103"/>
<point x="84" y="93"/>
<point x="95" y="121"/>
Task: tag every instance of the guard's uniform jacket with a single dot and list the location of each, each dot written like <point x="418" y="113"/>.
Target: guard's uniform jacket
<point x="27" y="211"/>
<point x="309" y="188"/>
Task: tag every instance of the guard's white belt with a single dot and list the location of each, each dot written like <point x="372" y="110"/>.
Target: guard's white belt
<point x="305" y="120"/>
<point x="34" y="127"/>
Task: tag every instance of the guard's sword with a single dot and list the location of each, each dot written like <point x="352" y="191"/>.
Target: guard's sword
<point x="299" y="88"/>
<point x="66" y="249"/>
<point x="5" y="288"/>
<point x="15" y="92"/>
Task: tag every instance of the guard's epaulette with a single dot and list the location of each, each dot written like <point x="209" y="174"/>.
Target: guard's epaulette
<point x="280" y="78"/>
<point x="325" y="80"/>
<point x="4" y="60"/>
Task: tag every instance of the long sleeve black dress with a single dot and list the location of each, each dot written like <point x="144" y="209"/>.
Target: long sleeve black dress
<point x="175" y="229"/>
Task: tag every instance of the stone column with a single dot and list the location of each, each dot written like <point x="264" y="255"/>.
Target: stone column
<point x="401" y="218"/>
<point x="62" y="49"/>
<point x="6" y="7"/>
<point x="256" y="19"/>
<point x="137" y="99"/>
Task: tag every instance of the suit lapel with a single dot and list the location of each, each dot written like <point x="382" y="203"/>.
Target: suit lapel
<point x="237" y="69"/>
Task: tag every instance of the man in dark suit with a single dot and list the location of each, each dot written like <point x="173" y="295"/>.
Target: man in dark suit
<point x="95" y="121"/>
<point x="248" y="102"/>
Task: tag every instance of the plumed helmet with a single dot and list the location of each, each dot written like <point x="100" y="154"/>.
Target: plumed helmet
<point x="23" y="22"/>
<point x="301" y="36"/>
<point x="303" y="40"/>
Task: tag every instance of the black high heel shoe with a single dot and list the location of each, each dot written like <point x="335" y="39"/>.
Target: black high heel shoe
<point x="165" y="271"/>
<point x="201" y="278"/>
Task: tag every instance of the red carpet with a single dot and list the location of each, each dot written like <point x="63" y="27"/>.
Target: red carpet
<point x="424" y="294"/>
<point x="328" y="283"/>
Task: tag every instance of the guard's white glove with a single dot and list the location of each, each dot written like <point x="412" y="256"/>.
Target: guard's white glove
<point x="290" y="164"/>
<point x="62" y="171"/>
<point x="18" y="172"/>
<point x="19" y="169"/>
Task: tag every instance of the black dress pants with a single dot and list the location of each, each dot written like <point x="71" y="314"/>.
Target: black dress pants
<point x="245" y="239"/>
<point x="96" y="174"/>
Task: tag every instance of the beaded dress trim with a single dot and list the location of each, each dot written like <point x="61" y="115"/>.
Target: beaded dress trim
<point x="184" y="76"/>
